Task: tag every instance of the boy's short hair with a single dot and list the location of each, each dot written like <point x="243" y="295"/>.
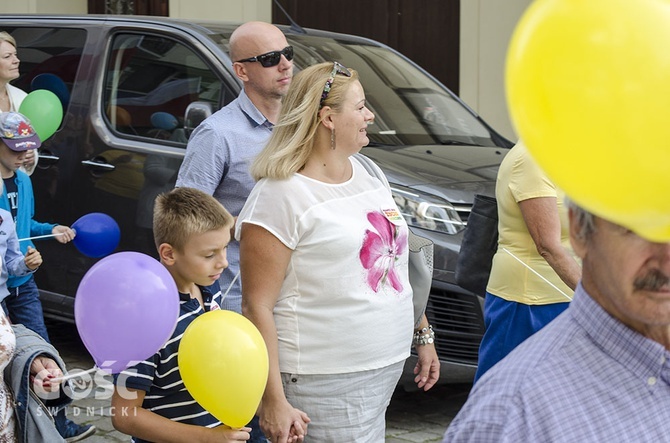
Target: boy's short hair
<point x="184" y="212"/>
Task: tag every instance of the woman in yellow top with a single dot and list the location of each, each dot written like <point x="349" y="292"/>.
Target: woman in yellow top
<point x="534" y="271"/>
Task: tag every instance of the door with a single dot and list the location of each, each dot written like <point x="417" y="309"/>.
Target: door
<point x="426" y="31"/>
<point x="130" y="7"/>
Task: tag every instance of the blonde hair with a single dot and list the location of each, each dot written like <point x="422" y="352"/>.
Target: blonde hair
<point x="292" y="138"/>
<point x="6" y="37"/>
<point x="184" y="212"/>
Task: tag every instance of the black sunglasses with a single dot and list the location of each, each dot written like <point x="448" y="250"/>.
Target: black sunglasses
<point x="338" y="68"/>
<point x="270" y="59"/>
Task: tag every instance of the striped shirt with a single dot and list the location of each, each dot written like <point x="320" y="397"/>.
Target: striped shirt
<point x="585" y="377"/>
<point x="159" y="376"/>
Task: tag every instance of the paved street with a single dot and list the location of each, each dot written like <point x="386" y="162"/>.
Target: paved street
<point x="417" y="417"/>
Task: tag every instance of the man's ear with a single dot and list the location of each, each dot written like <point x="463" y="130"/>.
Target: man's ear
<point x="166" y="253"/>
<point x="577" y="239"/>
<point x="240" y="71"/>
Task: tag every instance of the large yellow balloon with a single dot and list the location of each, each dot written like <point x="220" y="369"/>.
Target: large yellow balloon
<point x="588" y="88"/>
<point x="223" y="361"/>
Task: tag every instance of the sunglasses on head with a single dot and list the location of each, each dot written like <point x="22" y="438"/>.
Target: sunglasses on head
<point x="338" y="68"/>
<point x="272" y="58"/>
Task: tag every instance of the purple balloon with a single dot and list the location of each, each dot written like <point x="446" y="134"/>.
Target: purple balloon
<point x="97" y="234"/>
<point x="126" y="308"/>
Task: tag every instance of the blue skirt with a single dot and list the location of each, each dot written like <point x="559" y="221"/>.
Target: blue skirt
<point x="508" y="324"/>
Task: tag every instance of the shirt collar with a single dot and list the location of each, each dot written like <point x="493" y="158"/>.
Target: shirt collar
<point x="251" y="111"/>
<point x="204" y="291"/>
<point x="647" y="359"/>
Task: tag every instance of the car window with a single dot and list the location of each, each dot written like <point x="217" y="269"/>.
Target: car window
<point x="50" y="59"/>
<point x="150" y="82"/>
<point x="410" y="107"/>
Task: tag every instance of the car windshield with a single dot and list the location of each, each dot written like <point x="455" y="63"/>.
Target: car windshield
<point x="410" y="107"/>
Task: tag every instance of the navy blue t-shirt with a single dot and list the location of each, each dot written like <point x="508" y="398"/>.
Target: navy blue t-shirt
<point x="159" y="376"/>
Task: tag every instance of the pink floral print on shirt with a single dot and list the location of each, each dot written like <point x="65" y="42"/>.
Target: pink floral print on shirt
<point x="380" y="251"/>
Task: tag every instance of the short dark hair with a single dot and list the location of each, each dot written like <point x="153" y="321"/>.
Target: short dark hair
<point x="184" y="212"/>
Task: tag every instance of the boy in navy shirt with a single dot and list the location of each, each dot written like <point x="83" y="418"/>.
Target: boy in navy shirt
<point x="150" y="402"/>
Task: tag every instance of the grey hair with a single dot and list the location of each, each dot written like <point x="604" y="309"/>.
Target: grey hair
<point x="585" y="220"/>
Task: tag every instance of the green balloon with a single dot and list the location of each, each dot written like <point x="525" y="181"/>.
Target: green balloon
<point x="44" y="110"/>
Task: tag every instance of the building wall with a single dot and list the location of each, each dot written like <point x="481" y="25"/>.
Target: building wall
<point x="486" y="27"/>
<point x="43" y="6"/>
<point x="224" y="10"/>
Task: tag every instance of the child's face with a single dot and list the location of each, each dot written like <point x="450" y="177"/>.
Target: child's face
<point x="10" y="160"/>
<point x="203" y="258"/>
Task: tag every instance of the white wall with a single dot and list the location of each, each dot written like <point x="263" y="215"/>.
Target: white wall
<point x="44" y="6"/>
<point x="222" y="10"/>
<point x="486" y="28"/>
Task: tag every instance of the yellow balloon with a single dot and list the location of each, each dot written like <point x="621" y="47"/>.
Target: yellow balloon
<point x="588" y="89"/>
<point x="223" y="361"/>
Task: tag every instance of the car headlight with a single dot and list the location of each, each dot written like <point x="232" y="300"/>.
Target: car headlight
<point x="427" y="211"/>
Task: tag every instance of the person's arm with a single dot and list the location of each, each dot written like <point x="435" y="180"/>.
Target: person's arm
<point x="63" y="234"/>
<point x="30" y="161"/>
<point x="427" y="369"/>
<point x="36" y="228"/>
<point x="204" y="164"/>
<point x="18" y="264"/>
<point x="544" y="225"/>
<point x="263" y="263"/>
<point x="129" y="417"/>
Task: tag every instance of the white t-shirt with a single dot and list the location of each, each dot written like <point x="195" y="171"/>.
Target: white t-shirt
<point x="346" y="302"/>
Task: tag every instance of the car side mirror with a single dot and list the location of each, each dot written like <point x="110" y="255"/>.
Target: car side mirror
<point x="195" y="113"/>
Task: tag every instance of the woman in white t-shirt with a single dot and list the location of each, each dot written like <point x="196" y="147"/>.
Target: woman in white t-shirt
<point x="11" y="97"/>
<point x="324" y="270"/>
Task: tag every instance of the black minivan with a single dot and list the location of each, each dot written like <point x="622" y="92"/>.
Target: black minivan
<point x="137" y="86"/>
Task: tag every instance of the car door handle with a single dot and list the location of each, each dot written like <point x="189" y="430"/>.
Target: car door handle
<point x="98" y="165"/>
<point x="46" y="159"/>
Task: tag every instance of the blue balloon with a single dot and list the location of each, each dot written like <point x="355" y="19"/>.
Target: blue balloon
<point x="97" y="234"/>
<point x="53" y="83"/>
<point x="164" y="120"/>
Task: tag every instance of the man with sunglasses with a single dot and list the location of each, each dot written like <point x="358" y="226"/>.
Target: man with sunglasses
<point x="222" y="147"/>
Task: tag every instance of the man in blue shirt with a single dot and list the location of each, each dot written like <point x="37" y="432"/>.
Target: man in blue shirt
<point x="221" y="149"/>
<point x="598" y="372"/>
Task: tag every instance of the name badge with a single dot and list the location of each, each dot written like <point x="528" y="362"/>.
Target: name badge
<point x="392" y="215"/>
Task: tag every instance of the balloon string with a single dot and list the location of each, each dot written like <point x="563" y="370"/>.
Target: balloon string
<point x="230" y="286"/>
<point x="536" y="273"/>
<point x="41" y="236"/>
<point x="47" y="235"/>
<point x="73" y="375"/>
